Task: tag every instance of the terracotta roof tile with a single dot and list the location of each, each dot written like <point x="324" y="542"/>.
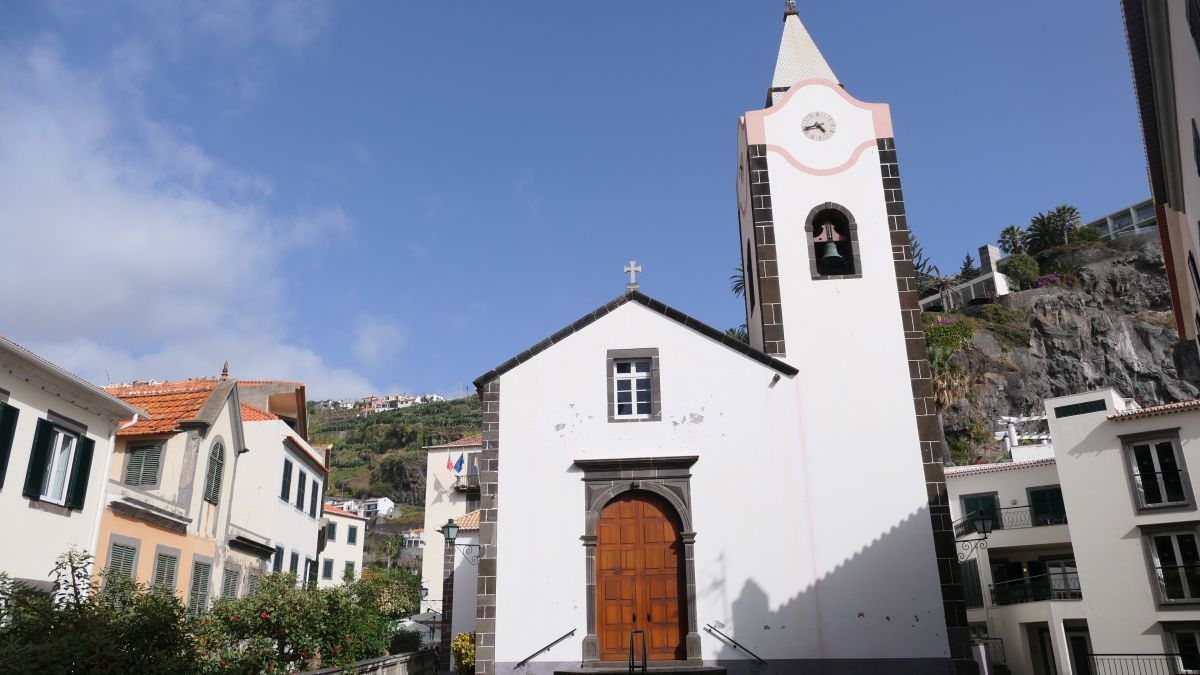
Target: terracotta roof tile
<point x="472" y="441"/>
<point x="253" y="414"/>
<point x="469" y="522"/>
<point x="338" y="512"/>
<point x="973" y="469"/>
<point x="168" y="403"/>
<point x="263" y="383"/>
<point x="1156" y="410"/>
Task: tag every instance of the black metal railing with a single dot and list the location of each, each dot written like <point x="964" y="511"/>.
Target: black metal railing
<point x="466" y="482"/>
<point x="1144" y="664"/>
<point x="1015" y="518"/>
<point x="716" y="632"/>
<point x="529" y="658"/>
<point x="632" y="641"/>
<point x="1052" y="586"/>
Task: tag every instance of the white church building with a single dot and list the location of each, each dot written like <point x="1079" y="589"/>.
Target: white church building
<point x="772" y="507"/>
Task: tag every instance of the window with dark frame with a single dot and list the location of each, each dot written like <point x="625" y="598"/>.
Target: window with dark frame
<point x="294" y="567"/>
<point x="331" y="532"/>
<point x="327" y="569"/>
<point x="1176" y="565"/>
<point x="1159" y="478"/>
<point x="1196" y="146"/>
<point x="972" y="586"/>
<point x="351" y="535"/>
<point x="980" y="505"/>
<point x="1193" y="19"/>
<point x="1046" y="506"/>
<point x="349" y="572"/>
<point x="301" y="483"/>
<point x="285" y="492"/>
<point x="277" y="564"/>
<point x="312" y="499"/>
<point x="1185" y="643"/>
<point x="143" y="465"/>
<point x="215" y="473"/>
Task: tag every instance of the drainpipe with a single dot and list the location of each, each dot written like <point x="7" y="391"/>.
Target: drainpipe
<point x="112" y="450"/>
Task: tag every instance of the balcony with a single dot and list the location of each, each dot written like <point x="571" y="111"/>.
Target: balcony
<point x="1015" y="518"/>
<point x="466" y="483"/>
<point x="1144" y="664"/>
<point x="1052" y="586"/>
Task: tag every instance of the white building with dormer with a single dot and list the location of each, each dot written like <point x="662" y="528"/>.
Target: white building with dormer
<point x="740" y="507"/>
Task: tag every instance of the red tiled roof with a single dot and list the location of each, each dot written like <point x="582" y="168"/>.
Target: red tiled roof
<point x="263" y="383"/>
<point x="469" y="522"/>
<point x="1156" y="410"/>
<point x="316" y="457"/>
<point x="253" y="414"/>
<point x="973" y="469"/>
<point x="338" y="512"/>
<point x="472" y="441"/>
<point x="168" y="403"/>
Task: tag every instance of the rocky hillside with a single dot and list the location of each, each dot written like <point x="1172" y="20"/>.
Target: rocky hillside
<point x="1107" y="322"/>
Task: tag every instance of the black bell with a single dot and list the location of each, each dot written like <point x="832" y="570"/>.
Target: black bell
<point x="832" y="261"/>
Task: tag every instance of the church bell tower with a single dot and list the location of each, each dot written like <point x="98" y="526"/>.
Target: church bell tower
<point x="831" y="289"/>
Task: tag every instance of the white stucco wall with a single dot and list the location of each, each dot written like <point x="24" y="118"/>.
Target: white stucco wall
<point x="466" y="577"/>
<point x="257" y="504"/>
<point x="36" y="533"/>
<point x="442" y="503"/>
<point x="854" y="577"/>
<point x="340" y="551"/>
<point x="1118" y="592"/>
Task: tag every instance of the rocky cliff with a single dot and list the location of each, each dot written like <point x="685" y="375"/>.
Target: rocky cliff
<point x="1106" y="323"/>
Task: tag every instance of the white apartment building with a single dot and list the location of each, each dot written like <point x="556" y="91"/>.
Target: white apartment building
<point x="280" y="483"/>
<point x="57" y="434"/>
<point x="449" y="495"/>
<point x="345" y="533"/>
<point x="1093" y="565"/>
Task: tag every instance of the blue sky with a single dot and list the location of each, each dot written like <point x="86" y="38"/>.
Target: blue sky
<point x="387" y="196"/>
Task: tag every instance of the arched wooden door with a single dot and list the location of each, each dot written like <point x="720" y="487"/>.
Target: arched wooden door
<point x="640" y="578"/>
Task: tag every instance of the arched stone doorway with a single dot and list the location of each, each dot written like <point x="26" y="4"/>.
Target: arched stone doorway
<point x="640" y="578"/>
<point x="665" y="482"/>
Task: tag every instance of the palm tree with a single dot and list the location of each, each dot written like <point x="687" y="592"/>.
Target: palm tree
<point x="1066" y="219"/>
<point x="737" y="282"/>
<point x="945" y="286"/>
<point x="950" y="380"/>
<point x="1047" y="230"/>
<point x="741" y="333"/>
<point x="1012" y="240"/>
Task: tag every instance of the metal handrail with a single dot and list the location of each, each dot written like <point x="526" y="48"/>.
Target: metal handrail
<point x="711" y="629"/>
<point x="631" y="634"/>
<point x="529" y="658"/>
<point x="1037" y="587"/>
<point x="1141" y="664"/>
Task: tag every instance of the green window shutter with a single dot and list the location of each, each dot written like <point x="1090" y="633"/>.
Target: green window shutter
<point x="300" y="485"/>
<point x="327" y="569"/>
<point x="8" y="430"/>
<point x="252" y="584"/>
<point x="80" y="471"/>
<point x="349" y="573"/>
<point x="229" y="584"/>
<point x="198" y="593"/>
<point x="295" y="564"/>
<point x="331" y="532"/>
<point x="39" y="456"/>
<point x="278" y="564"/>
<point x="165" y="568"/>
<point x="122" y="560"/>
<point x="133" y="470"/>
<point x="352" y="535"/>
<point x="286" y="493"/>
<point x="312" y="499"/>
<point x="214" y="474"/>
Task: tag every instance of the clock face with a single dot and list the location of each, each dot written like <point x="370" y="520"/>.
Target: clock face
<point x="819" y="126"/>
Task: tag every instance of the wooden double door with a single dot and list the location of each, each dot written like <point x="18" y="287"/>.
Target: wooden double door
<point x="640" y="582"/>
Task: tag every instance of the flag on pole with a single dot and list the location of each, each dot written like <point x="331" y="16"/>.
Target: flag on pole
<point x="459" y="464"/>
<point x="449" y="464"/>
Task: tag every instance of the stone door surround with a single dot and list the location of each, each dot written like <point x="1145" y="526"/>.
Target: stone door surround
<point x="667" y="477"/>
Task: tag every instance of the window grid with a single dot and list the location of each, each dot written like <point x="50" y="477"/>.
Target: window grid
<point x="1177" y="564"/>
<point x="1158" y="477"/>
<point x="632" y="389"/>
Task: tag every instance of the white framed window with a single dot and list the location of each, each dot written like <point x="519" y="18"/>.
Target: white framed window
<point x="1185" y="643"/>
<point x="352" y="535"/>
<point x="58" y="468"/>
<point x="632" y="388"/>
<point x="1159" y="476"/>
<point x="1176" y="560"/>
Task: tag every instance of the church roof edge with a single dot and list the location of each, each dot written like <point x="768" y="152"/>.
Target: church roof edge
<point x="650" y="303"/>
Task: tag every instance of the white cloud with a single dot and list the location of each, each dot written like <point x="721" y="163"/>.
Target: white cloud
<point x="376" y="339"/>
<point x="130" y="252"/>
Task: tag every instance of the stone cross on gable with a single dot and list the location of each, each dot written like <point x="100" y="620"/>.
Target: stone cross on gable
<point x="632" y="269"/>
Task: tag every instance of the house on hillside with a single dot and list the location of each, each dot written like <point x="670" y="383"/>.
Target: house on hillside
<point x="345" y="534"/>
<point x="57" y="434"/>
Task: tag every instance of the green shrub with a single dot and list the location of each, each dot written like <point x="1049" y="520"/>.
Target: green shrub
<point x="463" y="649"/>
<point x="1022" y="269"/>
<point x="949" y="333"/>
<point x="405" y="641"/>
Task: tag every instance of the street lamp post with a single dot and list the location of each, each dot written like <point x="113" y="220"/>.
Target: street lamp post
<point x="450" y="532"/>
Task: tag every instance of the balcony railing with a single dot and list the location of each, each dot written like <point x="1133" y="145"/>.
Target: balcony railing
<point x="1145" y="664"/>
<point x="1015" y="518"/>
<point x="995" y="650"/>
<point x="1052" y="586"/>
<point x="467" y="483"/>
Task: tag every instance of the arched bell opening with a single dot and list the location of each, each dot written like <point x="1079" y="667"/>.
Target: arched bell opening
<point x="832" y="242"/>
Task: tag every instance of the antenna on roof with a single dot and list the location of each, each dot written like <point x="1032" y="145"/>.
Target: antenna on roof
<point x="225" y="372"/>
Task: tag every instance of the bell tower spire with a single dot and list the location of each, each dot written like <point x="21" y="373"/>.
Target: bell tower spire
<point x="799" y="58"/>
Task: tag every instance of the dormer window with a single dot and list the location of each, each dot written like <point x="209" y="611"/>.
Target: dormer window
<point x="633" y="385"/>
<point x="832" y="242"/>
